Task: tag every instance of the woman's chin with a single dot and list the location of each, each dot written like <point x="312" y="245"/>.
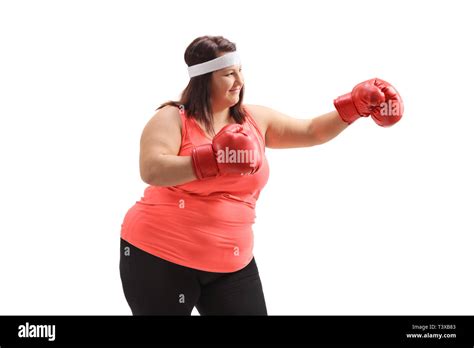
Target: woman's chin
<point x="234" y="97"/>
<point x="230" y="100"/>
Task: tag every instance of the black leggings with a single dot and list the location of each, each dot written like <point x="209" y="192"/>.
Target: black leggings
<point x="154" y="286"/>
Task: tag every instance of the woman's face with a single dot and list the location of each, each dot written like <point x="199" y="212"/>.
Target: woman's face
<point x="225" y="86"/>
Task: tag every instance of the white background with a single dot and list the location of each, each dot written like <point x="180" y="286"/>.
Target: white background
<point x="375" y="221"/>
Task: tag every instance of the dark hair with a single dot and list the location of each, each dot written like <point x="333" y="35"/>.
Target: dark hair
<point x="196" y="97"/>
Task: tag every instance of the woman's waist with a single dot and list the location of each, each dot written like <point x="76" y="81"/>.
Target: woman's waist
<point x="184" y="208"/>
<point x="186" y="224"/>
<point x="176" y="196"/>
<point x="192" y="215"/>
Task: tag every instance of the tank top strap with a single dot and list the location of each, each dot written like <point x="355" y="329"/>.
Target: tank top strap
<point x="182" y="114"/>
<point x="254" y="124"/>
<point x="184" y="128"/>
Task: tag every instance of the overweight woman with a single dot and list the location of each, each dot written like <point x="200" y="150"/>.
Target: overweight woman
<point x="188" y="242"/>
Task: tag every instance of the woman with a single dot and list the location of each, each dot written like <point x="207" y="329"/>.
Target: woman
<point x="188" y="242"/>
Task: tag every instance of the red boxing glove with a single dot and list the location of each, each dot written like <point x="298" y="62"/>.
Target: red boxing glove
<point x="374" y="97"/>
<point x="233" y="151"/>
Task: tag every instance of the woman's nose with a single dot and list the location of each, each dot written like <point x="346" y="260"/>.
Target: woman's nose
<point x="240" y="78"/>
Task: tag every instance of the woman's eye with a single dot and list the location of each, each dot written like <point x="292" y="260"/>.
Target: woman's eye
<point x="232" y="73"/>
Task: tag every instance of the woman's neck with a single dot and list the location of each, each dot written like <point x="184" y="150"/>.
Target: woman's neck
<point x="221" y="116"/>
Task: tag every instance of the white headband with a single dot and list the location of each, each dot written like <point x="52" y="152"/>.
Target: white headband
<point x="221" y="62"/>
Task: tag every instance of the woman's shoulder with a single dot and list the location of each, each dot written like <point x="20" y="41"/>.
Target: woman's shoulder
<point x="169" y="113"/>
<point x="259" y="114"/>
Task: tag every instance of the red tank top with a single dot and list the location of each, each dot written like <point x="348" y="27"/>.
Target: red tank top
<point x="205" y="225"/>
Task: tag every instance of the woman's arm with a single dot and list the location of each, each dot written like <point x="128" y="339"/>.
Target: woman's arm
<point x="326" y="127"/>
<point x="172" y="170"/>
<point x="160" y="164"/>
<point x="283" y="131"/>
